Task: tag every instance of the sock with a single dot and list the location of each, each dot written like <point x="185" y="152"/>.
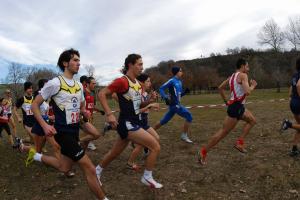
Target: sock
<point x="294" y="148"/>
<point x="240" y="141"/>
<point x="184" y="134"/>
<point x="37" y="157"/>
<point x="99" y="170"/>
<point x="147" y="174"/>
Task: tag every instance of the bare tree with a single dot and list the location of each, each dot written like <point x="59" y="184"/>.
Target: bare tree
<point x="34" y="74"/>
<point x="15" y="76"/>
<point x="271" y="34"/>
<point x="292" y="33"/>
<point x="90" y="69"/>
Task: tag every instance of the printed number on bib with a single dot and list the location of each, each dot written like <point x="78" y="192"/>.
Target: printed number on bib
<point x="75" y="117"/>
<point x="72" y="113"/>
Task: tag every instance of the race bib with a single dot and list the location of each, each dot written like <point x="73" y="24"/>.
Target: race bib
<point x="72" y="113"/>
<point x="90" y="105"/>
<point x="28" y="110"/>
<point x="136" y="104"/>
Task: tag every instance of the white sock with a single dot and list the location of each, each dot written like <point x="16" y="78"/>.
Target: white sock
<point x="184" y="134"/>
<point x="38" y="157"/>
<point x="147" y="174"/>
<point x="99" y="170"/>
<point x="105" y="198"/>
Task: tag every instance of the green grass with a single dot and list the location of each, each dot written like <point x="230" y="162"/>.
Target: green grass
<point x="260" y="94"/>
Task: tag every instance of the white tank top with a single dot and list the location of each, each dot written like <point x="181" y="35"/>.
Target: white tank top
<point x="237" y="91"/>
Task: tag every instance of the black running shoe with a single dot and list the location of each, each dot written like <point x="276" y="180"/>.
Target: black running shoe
<point x="294" y="153"/>
<point x="18" y="142"/>
<point x="107" y="127"/>
<point x="285" y="124"/>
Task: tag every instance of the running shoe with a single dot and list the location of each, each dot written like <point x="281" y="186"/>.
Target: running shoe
<point x="151" y="183"/>
<point x="69" y="174"/>
<point x="91" y="146"/>
<point x="134" y="167"/>
<point x="185" y="138"/>
<point x="30" y="156"/>
<point x="107" y="127"/>
<point x="98" y="175"/>
<point x="286" y="124"/>
<point x="202" y="153"/>
<point x="294" y="153"/>
<point x="18" y="142"/>
<point x="240" y="146"/>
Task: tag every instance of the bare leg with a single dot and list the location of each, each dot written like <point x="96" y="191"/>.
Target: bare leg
<point x="90" y="172"/>
<point x="228" y="125"/>
<point x="116" y="150"/>
<point x="250" y="122"/>
<point x="145" y="139"/>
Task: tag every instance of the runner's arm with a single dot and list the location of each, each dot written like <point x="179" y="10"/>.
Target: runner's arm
<point x="17" y="106"/>
<point x="35" y="107"/>
<point x="245" y="84"/>
<point x="222" y="88"/>
<point x="102" y="96"/>
<point x="162" y="89"/>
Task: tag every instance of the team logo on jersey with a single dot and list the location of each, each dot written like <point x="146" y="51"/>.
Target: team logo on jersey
<point x="74" y="100"/>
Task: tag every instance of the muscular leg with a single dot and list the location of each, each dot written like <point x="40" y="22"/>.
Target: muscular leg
<point x="90" y="172"/>
<point x="116" y="150"/>
<point x="250" y="120"/>
<point x="228" y="125"/>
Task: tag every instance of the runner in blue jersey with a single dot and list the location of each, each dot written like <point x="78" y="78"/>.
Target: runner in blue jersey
<point x="174" y="85"/>
<point x="295" y="108"/>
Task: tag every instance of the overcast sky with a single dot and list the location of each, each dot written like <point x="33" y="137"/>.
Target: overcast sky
<point x="105" y="32"/>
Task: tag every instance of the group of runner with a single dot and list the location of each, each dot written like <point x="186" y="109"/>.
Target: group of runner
<point x="62" y="106"/>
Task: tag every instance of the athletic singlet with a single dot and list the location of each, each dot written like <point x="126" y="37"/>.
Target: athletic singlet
<point x="145" y="97"/>
<point x="294" y="81"/>
<point x="89" y="101"/>
<point x="66" y="105"/>
<point x="237" y="92"/>
<point x="26" y="106"/>
<point x="7" y="106"/>
<point x="130" y="101"/>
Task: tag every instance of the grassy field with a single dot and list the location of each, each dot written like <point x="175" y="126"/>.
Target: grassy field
<point x="265" y="172"/>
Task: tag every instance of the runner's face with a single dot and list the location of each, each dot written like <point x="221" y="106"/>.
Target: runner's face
<point x="29" y="91"/>
<point x="7" y="94"/>
<point x="73" y="65"/>
<point x="180" y="73"/>
<point x="246" y="68"/>
<point x="147" y="84"/>
<point x="92" y="84"/>
<point x="137" y="68"/>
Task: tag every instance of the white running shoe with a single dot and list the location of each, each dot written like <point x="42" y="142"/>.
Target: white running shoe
<point x="98" y="175"/>
<point x="151" y="183"/>
<point x="91" y="146"/>
<point x="185" y="138"/>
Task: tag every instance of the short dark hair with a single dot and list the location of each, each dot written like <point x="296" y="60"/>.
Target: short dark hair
<point x="83" y="78"/>
<point x="298" y="64"/>
<point x="142" y="78"/>
<point x="131" y="59"/>
<point x="27" y="85"/>
<point x="240" y="62"/>
<point x="42" y="82"/>
<point x="89" y="79"/>
<point x="66" y="56"/>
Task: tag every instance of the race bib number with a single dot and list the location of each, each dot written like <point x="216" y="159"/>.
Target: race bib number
<point x="28" y="110"/>
<point x="72" y="113"/>
<point x="90" y="105"/>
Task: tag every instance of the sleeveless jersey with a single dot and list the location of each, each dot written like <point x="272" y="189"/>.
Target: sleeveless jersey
<point x="237" y="92"/>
